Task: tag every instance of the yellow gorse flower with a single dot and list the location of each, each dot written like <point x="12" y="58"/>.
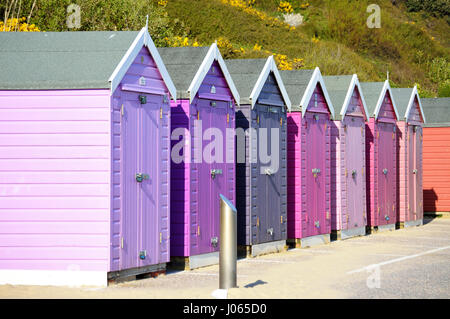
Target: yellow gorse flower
<point x="15" y="24"/>
<point x="285" y="6"/>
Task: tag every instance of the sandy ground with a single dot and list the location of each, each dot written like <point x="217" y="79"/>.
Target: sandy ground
<point x="408" y="263"/>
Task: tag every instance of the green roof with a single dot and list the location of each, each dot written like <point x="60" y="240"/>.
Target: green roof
<point x="371" y="92"/>
<point x="337" y="87"/>
<point x="437" y="111"/>
<point x="245" y="74"/>
<point x="183" y="64"/>
<point x="296" y="82"/>
<point x="61" y="60"/>
<point x="402" y="97"/>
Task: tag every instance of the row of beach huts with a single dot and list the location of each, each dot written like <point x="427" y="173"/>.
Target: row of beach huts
<point x="91" y="123"/>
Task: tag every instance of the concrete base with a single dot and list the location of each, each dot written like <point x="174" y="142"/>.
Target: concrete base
<point x="131" y="274"/>
<point x="381" y="228"/>
<point x="411" y="223"/>
<point x="348" y="233"/>
<point x="262" y="249"/>
<point x="194" y="262"/>
<point x="309" y="241"/>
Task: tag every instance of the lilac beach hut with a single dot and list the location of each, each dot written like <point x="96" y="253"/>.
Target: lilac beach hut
<point x="205" y="108"/>
<point x="348" y="181"/>
<point x="84" y="157"/>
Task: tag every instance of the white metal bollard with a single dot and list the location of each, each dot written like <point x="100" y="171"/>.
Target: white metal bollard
<point x="228" y="244"/>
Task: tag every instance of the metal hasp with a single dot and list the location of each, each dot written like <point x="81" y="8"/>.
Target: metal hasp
<point x="215" y="172"/>
<point x="228" y="244"/>
<point x="140" y="177"/>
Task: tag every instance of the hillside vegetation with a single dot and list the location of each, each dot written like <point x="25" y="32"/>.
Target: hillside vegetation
<point x="412" y="44"/>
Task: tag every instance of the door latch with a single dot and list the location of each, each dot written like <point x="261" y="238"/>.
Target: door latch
<point x="215" y="172"/>
<point x="353" y="173"/>
<point x="415" y="171"/>
<point x="140" y="177"/>
<point x="385" y="171"/>
<point x="315" y="171"/>
<point x="214" y="241"/>
<point x="317" y="224"/>
<point x="270" y="231"/>
<point x="142" y="254"/>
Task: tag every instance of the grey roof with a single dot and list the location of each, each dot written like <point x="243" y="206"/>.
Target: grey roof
<point x="296" y="82"/>
<point x="402" y="97"/>
<point x="182" y="64"/>
<point x="61" y="60"/>
<point x="245" y="73"/>
<point x="371" y="92"/>
<point x="337" y="88"/>
<point x="437" y="111"/>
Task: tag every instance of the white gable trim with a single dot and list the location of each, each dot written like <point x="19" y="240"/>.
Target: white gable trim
<point x="270" y="66"/>
<point x="411" y="103"/>
<point x="386" y="87"/>
<point x="315" y="78"/>
<point x="142" y="39"/>
<point x="354" y="83"/>
<point x="212" y="55"/>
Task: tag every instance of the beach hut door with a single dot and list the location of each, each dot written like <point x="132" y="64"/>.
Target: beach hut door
<point x="140" y="236"/>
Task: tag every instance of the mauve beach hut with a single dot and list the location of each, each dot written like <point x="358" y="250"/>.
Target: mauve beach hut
<point x="84" y="166"/>
<point x="436" y="155"/>
<point x="309" y="158"/>
<point x="261" y="188"/>
<point x="205" y="107"/>
<point x="409" y="148"/>
<point x="348" y="153"/>
<point x="381" y="156"/>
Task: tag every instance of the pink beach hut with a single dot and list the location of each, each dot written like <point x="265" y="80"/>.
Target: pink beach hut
<point x="410" y="135"/>
<point x="381" y="156"/>
<point x="309" y="159"/>
<point x="348" y="175"/>
<point x="84" y="157"/>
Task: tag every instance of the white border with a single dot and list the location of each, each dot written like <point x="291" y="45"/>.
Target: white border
<point x="354" y="83"/>
<point x="142" y="39"/>
<point x="315" y="78"/>
<point x="411" y="103"/>
<point x="386" y="87"/>
<point x="71" y="278"/>
<point x="268" y="67"/>
<point x="212" y="55"/>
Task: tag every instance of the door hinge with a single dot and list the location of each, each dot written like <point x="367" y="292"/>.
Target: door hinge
<point x="281" y="219"/>
<point x="257" y="221"/>
<point x="257" y="119"/>
<point x="198" y="115"/>
<point x="121" y="243"/>
<point x="160" y="238"/>
<point x="198" y="230"/>
<point x="328" y="215"/>
<point x="160" y="112"/>
<point x="228" y="118"/>
<point x="281" y="121"/>
<point x="121" y="110"/>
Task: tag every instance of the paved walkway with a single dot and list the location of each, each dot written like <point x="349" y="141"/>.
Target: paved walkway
<point x="408" y="263"/>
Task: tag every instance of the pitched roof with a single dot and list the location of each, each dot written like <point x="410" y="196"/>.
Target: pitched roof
<point x="404" y="99"/>
<point x="340" y="88"/>
<point x="70" y="60"/>
<point x="182" y="64"/>
<point x="61" y="60"/>
<point x="250" y="75"/>
<point x="300" y="85"/>
<point x="437" y="111"/>
<point x="296" y="83"/>
<point x="245" y="73"/>
<point x="188" y="67"/>
<point x="374" y="93"/>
